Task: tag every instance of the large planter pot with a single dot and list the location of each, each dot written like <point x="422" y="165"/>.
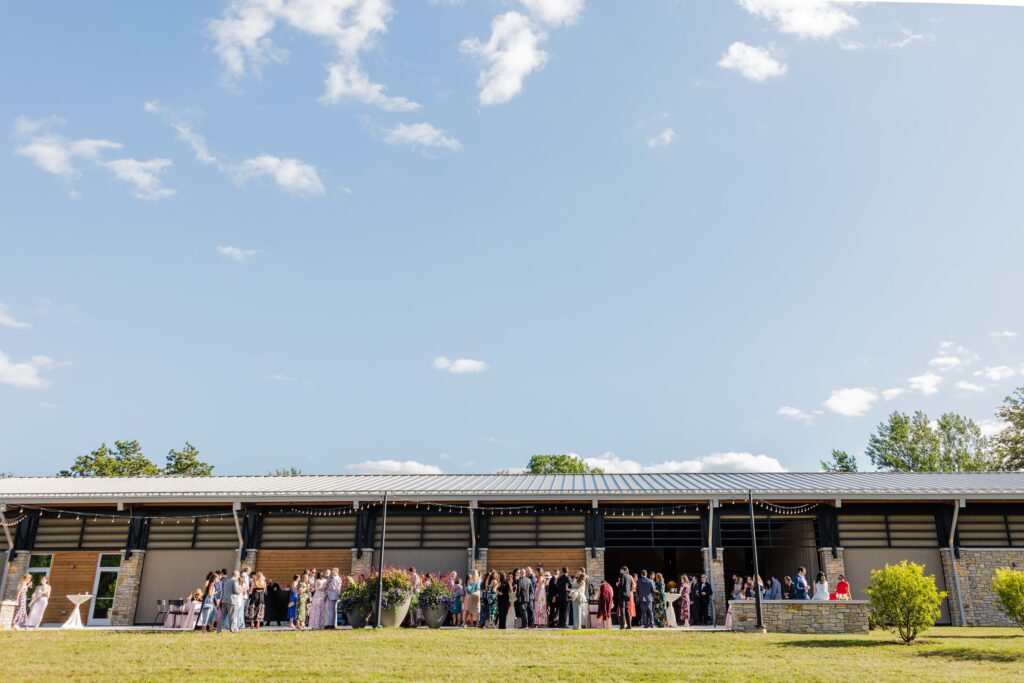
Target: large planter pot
<point x="356" y="616"/>
<point x="434" y="616"/>
<point x="394" y="616"/>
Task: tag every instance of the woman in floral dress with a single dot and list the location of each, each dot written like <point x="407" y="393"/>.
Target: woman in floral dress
<point x="491" y="603"/>
<point x="684" y="600"/>
<point x="540" y="602"/>
<point x="302" y="607"/>
<point x="20" y="614"/>
<point x="318" y="603"/>
<point x="660" y="610"/>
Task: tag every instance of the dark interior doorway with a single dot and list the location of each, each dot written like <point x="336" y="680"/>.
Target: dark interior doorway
<point x="670" y="562"/>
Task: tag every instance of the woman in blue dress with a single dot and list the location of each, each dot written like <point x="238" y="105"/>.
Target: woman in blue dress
<point x="293" y="600"/>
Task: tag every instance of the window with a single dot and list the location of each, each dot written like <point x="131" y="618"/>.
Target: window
<point x="107" y="570"/>
<point x="72" y="531"/>
<point x="991" y="531"/>
<point x="888" y="531"/>
<point x="38" y="567"/>
<point x="527" y="531"/>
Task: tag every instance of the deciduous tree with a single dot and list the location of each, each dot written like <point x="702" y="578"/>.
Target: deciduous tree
<point x="560" y="464"/>
<point x="841" y="462"/>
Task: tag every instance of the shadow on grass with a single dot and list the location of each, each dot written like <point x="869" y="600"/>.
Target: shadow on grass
<point x="835" y="643"/>
<point x="967" y="654"/>
<point x="979" y="637"/>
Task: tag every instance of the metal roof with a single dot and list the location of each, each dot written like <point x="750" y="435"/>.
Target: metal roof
<point x="688" y="486"/>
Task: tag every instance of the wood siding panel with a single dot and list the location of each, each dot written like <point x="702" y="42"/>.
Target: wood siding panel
<point x="504" y="559"/>
<point x="71" y="572"/>
<point x="282" y="565"/>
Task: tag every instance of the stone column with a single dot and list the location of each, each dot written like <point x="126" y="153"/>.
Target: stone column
<point x="126" y="592"/>
<point x="832" y="566"/>
<point x="364" y="564"/>
<point x="595" y="566"/>
<point x="481" y="561"/>
<point x="16" y="568"/>
<point x="715" y="569"/>
<point x="249" y="560"/>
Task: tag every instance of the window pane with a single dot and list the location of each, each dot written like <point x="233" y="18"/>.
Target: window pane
<point x="110" y="560"/>
<point x="40" y="561"/>
<point x="105" y="586"/>
<point x="101" y="609"/>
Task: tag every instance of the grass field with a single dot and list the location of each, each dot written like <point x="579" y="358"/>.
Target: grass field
<point x="944" y="654"/>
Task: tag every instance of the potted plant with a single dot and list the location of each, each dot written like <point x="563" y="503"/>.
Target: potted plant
<point x="355" y="602"/>
<point x="397" y="597"/>
<point x="435" y="599"/>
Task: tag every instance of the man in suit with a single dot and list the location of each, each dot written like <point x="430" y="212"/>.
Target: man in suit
<point x="533" y="591"/>
<point x="704" y="592"/>
<point x="231" y="592"/>
<point x="562" y="588"/>
<point x="524" y="597"/>
<point x="625" y="596"/>
<point x="645" y="596"/>
<point x="800" y="584"/>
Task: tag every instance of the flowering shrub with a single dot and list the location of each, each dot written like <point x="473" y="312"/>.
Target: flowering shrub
<point x="904" y="599"/>
<point x="436" y="593"/>
<point x="397" y="585"/>
<point x="356" y="593"/>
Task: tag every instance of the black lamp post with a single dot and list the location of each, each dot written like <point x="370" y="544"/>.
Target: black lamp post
<point x="380" y="560"/>
<point x="757" y="571"/>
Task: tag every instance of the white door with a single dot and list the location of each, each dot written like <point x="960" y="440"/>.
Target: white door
<point x="107" y="569"/>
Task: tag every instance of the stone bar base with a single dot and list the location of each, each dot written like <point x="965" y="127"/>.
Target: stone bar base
<point x="802" y="616"/>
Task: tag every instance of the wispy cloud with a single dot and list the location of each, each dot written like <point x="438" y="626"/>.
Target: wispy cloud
<point x="927" y="384"/>
<point x="952" y="356"/>
<point x="242" y="41"/>
<point x="1004" y="334"/>
<point x="393" y="467"/>
<point x="890" y="394"/>
<point x="996" y="373"/>
<point x="420" y="135"/>
<point x="26" y="374"/>
<point x="662" y="139"/>
<point x="238" y="254"/>
<point x="753" y="62"/>
<point x="807" y="417"/>
<point x="964" y="385"/>
<point x="715" y="462"/>
<point x="460" y="366"/>
<point x="805" y="18"/>
<point x="8" y="320"/>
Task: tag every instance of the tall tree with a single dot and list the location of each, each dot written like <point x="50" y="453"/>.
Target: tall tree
<point x="560" y="464"/>
<point x="186" y="462"/>
<point x="126" y="461"/>
<point x="1010" y="441"/>
<point x="841" y="462"/>
<point x="913" y="444"/>
<point x="285" y="472"/>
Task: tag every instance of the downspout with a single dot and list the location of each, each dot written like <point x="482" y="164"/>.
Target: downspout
<point x="472" y="538"/>
<point x="235" y="507"/>
<point x="952" y="562"/>
<point x="7" y="553"/>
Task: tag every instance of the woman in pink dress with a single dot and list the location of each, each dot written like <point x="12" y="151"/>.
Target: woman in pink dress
<point x="540" y="601"/>
<point x="684" y="601"/>
<point x="318" y="603"/>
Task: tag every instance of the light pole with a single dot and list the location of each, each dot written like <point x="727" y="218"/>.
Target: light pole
<point x="757" y="571"/>
<point x="380" y="560"/>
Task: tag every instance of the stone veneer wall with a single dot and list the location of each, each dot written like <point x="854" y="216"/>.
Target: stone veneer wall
<point x="594" y="564"/>
<point x="976" y="567"/>
<point x="126" y="592"/>
<point x="16" y="568"/>
<point x="802" y="616"/>
<point x="832" y="566"/>
<point x="364" y="564"/>
<point x="715" y="569"/>
<point x="249" y="560"/>
<point x="481" y="561"/>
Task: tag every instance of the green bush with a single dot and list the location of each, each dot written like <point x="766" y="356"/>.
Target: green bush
<point x="1008" y="585"/>
<point x="904" y="599"/>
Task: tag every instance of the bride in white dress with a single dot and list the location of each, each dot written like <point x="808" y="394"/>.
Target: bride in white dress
<point x="820" y="587"/>
<point x="40" y="598"/>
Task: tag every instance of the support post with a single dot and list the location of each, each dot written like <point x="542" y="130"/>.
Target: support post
<point x="757" y="571"/>
<point x="8" y="553"/>
<point x="953" y="561"/>
<point x="235" y="507"/>
<point x="380" y="561"/>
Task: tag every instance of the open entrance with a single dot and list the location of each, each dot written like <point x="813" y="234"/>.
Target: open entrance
<point x="783" y="544"/>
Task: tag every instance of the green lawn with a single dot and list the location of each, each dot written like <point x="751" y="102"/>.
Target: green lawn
<point x="981" y="654"/>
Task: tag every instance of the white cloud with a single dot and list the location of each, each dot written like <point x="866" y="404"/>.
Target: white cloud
<point x="715" y="462"/>
<point x="555" y="12"/>
<point x="153" y="107"/>
<point x="292" y="175"/>
<point x="807" y="417"/>
<point x="144" y="176"/>
<point x="393" y="467"/>
<point x="964" y="385"/>
<point x="420" y="135"/>
<point x="952" y="356"/>
<point x="196" y="141"/>
<point x="990" y="428"/>
<point x="890" y="394"/>
<point x="25" y="375"/>
<point x="8" y="320"/>
<point x="752" y="62"/>
<point x="510" y="55"/>
<point x="57" y="155"/>
<point x="851" y="402"/>
<point x="460" y="366"/>
<point x="238" y="254"/>
<point x="243" y="43"/>
<point x="805" y="18"/>
<point x="1005" y="334"/>
<point x="997" y="373"/>
<point x="927" y="384"/>
<point x="661" y="139"/>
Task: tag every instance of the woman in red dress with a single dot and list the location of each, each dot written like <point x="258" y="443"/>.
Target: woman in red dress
<point x="843" y="589"/>
<point x="605" y="598"/>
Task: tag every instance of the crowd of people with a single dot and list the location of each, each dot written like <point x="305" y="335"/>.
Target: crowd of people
<point x="794" y="587"/>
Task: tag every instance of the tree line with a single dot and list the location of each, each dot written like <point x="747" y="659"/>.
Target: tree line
<point x="953" y="443"/>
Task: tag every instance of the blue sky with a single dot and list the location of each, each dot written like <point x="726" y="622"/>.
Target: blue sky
<point x="677" y="235"/>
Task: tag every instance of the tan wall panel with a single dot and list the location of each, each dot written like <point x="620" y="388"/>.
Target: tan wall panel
<point x="504" y="559"/>
<point x="173" y="574"/>
<point x="71" y="572"/>
<point x="282" y="565"/>
<point x="858" y="563"/>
